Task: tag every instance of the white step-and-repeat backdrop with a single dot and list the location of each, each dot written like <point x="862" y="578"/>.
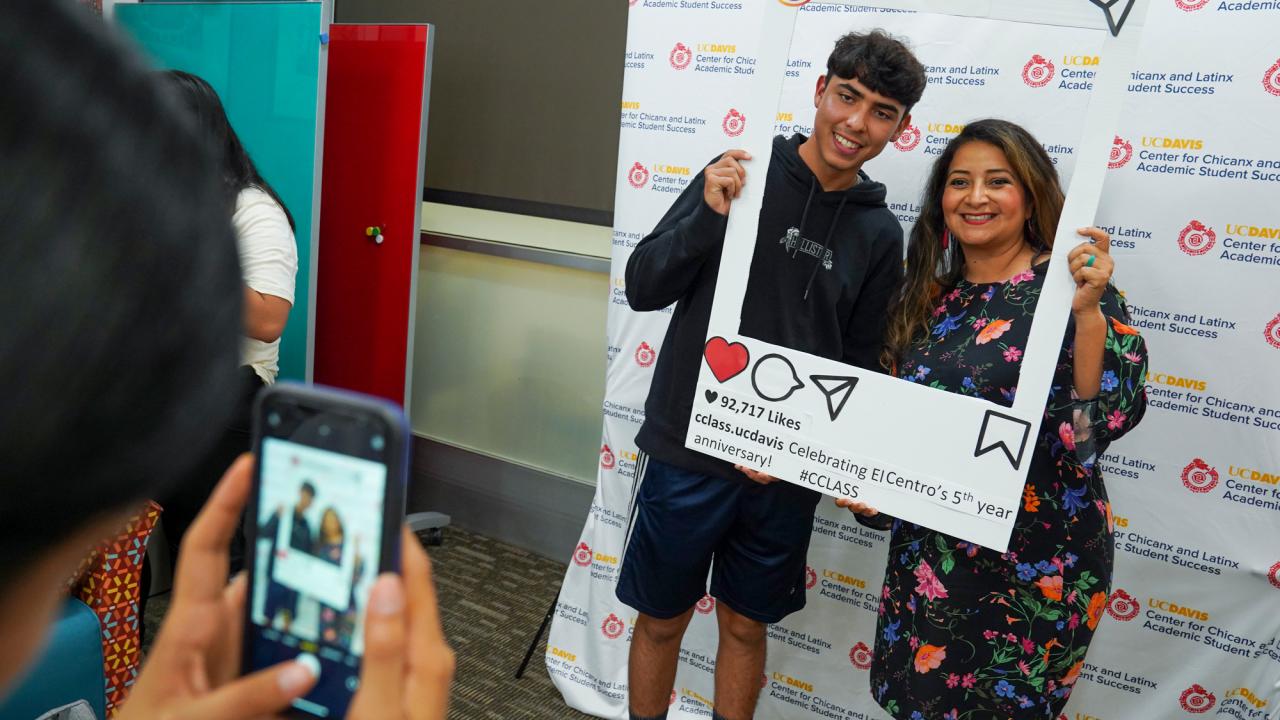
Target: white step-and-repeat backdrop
<point x="1192" y="201"/>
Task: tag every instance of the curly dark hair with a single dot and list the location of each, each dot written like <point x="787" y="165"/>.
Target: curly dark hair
<point x="881" y="62"/>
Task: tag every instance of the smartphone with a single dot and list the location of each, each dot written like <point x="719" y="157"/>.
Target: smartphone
<point x="322" y="523"/>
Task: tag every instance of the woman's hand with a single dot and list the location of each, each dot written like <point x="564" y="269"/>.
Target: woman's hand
<point x="857" y="508"/>
<point x="191" y="671"/>
<point x="1091" y="267"/>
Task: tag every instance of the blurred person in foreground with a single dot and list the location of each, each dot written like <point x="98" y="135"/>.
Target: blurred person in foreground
<point x="120" y="316"/>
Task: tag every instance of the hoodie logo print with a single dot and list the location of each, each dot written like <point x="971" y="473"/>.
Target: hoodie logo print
<point x="793" y="240"/>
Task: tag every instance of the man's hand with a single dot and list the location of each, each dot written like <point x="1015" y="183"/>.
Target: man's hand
<point x="408" y="667"/>
<point x="192" y="667"/>
<point x="723" y="180"/>
<point x="756" y="475"/>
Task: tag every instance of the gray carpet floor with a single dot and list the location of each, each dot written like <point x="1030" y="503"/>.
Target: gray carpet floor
<point x="492" y="598"/>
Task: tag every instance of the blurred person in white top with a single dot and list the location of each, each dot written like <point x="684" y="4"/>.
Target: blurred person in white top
<point x="268" y="265"/>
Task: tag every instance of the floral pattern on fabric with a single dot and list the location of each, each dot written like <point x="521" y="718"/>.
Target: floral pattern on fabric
<point x="965" y="632"/>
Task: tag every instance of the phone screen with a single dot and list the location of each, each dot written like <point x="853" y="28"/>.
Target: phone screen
<point x="317" y="544"/>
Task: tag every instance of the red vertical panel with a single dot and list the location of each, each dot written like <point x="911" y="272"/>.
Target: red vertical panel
<point x="372" y="176"/>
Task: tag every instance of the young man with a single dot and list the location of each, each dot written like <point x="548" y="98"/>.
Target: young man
<point x="828" y="256"/>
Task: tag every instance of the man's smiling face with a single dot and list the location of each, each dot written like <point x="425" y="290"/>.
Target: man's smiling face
<point x="852" y="124"/>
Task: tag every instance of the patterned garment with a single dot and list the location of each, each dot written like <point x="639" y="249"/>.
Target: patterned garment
<point x="966" y="632"/>
<point x="111" y="587"/>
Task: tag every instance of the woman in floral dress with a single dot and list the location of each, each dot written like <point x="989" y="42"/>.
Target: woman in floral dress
<point x="965" y="632"/>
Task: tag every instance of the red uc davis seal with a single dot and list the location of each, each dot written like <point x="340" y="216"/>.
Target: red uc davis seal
<point x="1038" y="71"/>
<point x="1199" y="477"/>
<point x="1273" y="576"/>
<point x="680" y="56"/>
<point x="638" y="175"/>
<point x="1271" y="81"/>
<point x="607" y="458"/>
<point x="582" y="556"/>
<point x="734" y="123"/>
<point x="706" y="605"/>
<point x="1197" y="238"/>
<point x="1190" y="5"/>
<point x="1196" y="699"/>
<point x="861" y="656"/>
<point x="909" y="139"/>
<point x="1272" y="332"/>
<point x="645" y="355"/>
<point x="810" y="577"/>
<point x="1121" y="153"/>
<point x="1122" y="606"/>
<point x="612" y="627"/>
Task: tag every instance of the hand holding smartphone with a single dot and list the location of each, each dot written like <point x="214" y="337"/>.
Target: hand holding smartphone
<point x="323" y="522"/>
<point x="192" y="669"/>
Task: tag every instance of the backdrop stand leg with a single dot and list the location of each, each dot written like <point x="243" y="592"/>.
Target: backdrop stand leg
<point x="533" y="644"/>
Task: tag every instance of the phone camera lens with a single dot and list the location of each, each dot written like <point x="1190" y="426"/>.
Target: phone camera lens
<point x="273" y="419"/>
<point x="324" y="431"/>
<point x="377" y="442"/>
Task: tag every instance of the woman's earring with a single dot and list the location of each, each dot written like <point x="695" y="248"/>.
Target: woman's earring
<point x="946" y="238"/>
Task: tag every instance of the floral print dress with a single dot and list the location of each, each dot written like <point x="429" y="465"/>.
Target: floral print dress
<point x="965" y="632"/>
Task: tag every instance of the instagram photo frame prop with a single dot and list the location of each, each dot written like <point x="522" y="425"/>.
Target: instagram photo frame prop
<point x="953" y="463"/>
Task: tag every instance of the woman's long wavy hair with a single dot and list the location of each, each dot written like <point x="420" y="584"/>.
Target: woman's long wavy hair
<point x="933" y="270"/>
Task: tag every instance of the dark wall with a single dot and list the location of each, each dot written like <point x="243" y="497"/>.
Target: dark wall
<point x="525" y="100"/>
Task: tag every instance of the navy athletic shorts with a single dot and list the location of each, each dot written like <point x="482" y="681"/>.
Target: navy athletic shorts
<point x="757" y="534"/>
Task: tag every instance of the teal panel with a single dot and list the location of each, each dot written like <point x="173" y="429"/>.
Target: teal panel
<point x="264" y="61"/>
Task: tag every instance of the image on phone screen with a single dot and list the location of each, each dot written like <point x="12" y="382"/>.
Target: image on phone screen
<point x="317" y="549"/>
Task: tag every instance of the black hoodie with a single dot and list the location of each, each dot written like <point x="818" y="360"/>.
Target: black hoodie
<point x="824" y="269"/>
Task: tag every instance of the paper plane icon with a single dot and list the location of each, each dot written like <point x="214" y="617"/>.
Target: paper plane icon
<point x="837" y="389"/>
<point x="1108" y="7"/>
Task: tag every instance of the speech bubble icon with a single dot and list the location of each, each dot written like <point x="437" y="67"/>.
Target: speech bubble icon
<point x="774" y="378"/>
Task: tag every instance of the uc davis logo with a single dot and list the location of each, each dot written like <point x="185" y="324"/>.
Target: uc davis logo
<point x="705" y="605"/>
<point x="909" y="139"/>
<point x="638" y="175"/>
<point x="1038" y="71"/>
<point x="607" y="459"/>
<point x="1272" y="332"/>
<point x="612" y="627"/>
<point x="1196" y="699"/>
<point x="810" y="577"/>
<point x="1196" y="238"/>
<point x="1271" y="81"/>
<point x="1199" y="477"/>
<point x="680" y="56"/>
<point x="1122" y="606"/>
<point x="1121" y="153"/>
<point x="861" y="656"/>
<point x="645" y="355"/>
<point x="582" y="556"/>
<point x="1190" y="5"/>
<point x="1273" y="575"/>
<point x="734" y="123"/>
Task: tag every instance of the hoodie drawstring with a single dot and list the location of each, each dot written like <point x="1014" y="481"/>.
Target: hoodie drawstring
<point x="813" y="188"/>
<point x="825" y="243"/>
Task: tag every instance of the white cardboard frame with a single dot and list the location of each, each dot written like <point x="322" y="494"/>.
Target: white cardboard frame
<point x="953" y="463"/>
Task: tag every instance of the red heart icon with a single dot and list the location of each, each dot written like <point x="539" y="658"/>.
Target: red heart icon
<point x="725" y="359"/>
